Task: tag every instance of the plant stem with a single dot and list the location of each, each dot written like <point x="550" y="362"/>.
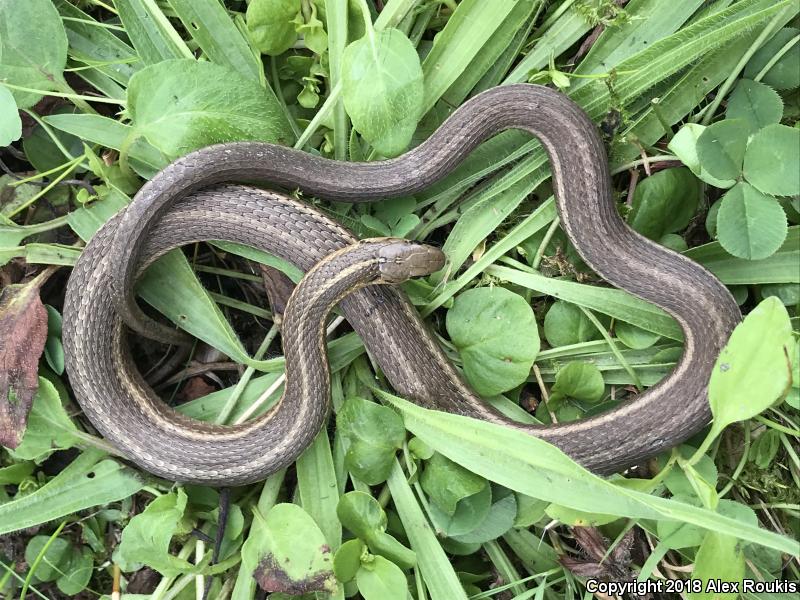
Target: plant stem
<point x="67" y="95"/>
<point x="46" y="189"/>
<point x="24" y="592"/>
<point x="241" y="385"/>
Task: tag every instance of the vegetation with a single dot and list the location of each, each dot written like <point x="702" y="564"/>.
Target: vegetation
<point x="699" y="104"/>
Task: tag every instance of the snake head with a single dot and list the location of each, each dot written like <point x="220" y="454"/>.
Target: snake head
<point x="400" y="260"/>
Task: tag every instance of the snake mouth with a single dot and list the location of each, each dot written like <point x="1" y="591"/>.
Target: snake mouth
<point x="400" y="260"/>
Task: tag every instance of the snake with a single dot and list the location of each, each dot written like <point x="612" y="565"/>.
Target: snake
<point x="216" y="193"/>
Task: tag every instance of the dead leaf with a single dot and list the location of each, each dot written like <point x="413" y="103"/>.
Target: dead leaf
<point x="598" y="561"/>
<point x="23" y="333"/>
<point x="196" y="387"/>
<point x="271" y="577"/>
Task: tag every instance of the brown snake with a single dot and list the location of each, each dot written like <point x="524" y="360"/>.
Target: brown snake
<point x="183" y="204"/>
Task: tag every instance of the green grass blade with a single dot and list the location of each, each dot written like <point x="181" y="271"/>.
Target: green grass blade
<point x="531" y="466"/>
<point x="482" y="219"/>
<point x="170" y="286"/>
<point x="492" y="50"/>
<point x="564" y="31"/>
<point x="212" y="28"/>
<point x="87" y="481"/>
<point x="111" y="134"/>
<point x="316" y="482"/>
<point x="440" y="578"/>
<point x="538" y="219"/>
<point x="781" y="267"/>
<point x="667" y="56"/>
<point x="614" y="303"/>
<point x="646" y="22"/>
<point x="336" y="14"/>
<point x="91" y="43"/>
<point x="150" y="32"/>
<point x="462" y="39"/>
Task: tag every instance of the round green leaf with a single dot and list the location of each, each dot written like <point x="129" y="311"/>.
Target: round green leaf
<point x="495" y="332"/>
<point x="451" y="546"/>
<point x="182" y="105"/>
<point x="77" y="575"/>
<point x="347" y="560"/>
<point x="270" y="24"/>
<point x="664" y="202"/>
<point x="765" y="447"/>
<point x="49" y="426"/>
<point x="784" y="74"/>
<point x="380" y="579"/>
<point x="720" y="148"/>
<point x="771" y="160"/>
<point x="33" y="48"/>
<point x="635" y="337"/>
<point x="470" y="512"/>
<point x="446" y="483"/>
<point x="43" y="153"/>
<point x="383" y="544"/>
<point x="719" y="558"/>
<point x="313" y="30"/>
<point x="752" y="372"/>
<point x="579" y="380"/>
<point x="750" y="224"/>
<point x="374" y="433"/>
<point x="756" y="103"/>
<point x="684" y="146"/>
<point x="711" y="218"/>
<point x="361" y="514"/>
<point x="677" y="481"/>
<point x="10" y="123"/>
<point x="788" y="293"/>
<point x="419" y="449"/>
<point x="54" y="560"/>
<point x="674" y="242"/>
<point x="382" y="89"/>
<point x="530" y="510"/>
<point x="566" y="324"/>
<point x="53" y="350"/>
<point x="740" y="293"/>
<point x="499" y="520"/>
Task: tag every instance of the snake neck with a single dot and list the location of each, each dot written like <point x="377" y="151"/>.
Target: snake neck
<point x="303" y="331"/>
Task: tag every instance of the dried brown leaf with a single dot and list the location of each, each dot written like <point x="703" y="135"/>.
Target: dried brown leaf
<point x="23" y="333"/>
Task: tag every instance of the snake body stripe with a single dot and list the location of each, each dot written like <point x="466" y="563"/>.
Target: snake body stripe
<point x="178" y="207"/>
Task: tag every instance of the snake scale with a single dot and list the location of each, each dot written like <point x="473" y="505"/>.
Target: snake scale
<point x="197" y="198"/>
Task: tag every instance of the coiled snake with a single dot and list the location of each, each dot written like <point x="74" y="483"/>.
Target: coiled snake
<point x="184" y="203"/>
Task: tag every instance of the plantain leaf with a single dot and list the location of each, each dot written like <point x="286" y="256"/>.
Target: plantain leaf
<point x="382" y="89"/>
<point x="183" y="105"/>
<point x="752" y="371"/>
